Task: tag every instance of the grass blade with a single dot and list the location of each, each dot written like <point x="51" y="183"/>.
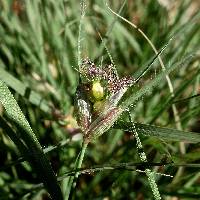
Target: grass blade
<point x="40" y="162"/>
<point x="167" y="134"/>
<point x="148" y="88"/>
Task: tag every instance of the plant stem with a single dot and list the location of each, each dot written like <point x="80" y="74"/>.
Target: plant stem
<point x="78" y="164"/>
<point x="150" y="174"/>
<point x="80" y="32"/>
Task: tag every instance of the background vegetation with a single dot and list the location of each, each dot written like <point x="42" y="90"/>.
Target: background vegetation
<point x="38" y="58"/>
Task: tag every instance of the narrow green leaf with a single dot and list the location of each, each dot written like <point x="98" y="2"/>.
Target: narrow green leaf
<point x="21" y="89"/>
<point x="14" y="137"/>
<point x="170" y="100"/>
<point x="39" y="160"/>
<point x="167" y="134"/>
<point x="148" y="87"/>
<point x="21" y="159"/>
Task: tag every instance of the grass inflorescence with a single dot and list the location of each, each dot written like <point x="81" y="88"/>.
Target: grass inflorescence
<point x="120" y="125"/>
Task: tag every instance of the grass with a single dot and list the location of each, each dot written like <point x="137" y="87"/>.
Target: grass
<point x="38" y="58"/>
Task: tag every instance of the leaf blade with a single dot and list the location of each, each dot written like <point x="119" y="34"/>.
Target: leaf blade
<point x="40" y="162"/>
<point x="167" y="134"/>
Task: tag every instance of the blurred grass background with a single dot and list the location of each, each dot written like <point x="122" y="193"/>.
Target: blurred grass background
<point x="38" y="54"/>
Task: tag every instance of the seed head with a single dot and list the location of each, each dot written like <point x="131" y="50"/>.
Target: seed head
<point x="97" y="91"/>
<point x="98" y="95"/>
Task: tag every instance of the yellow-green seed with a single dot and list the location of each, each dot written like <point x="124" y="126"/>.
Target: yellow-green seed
<point x="98" y="105"/>
<point x="97" y="91"/>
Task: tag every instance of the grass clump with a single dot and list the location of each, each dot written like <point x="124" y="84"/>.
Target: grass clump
<point x="153" y="46"/>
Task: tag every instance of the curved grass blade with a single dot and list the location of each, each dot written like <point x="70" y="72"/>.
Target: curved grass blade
<point x="186" y="99"/>
<point x="170" y="99"/>
<point x="21" y="89"/>
<point x="39" y="160"/>
<point x="22" y="158"/>
<point x="148" y="87"/>
<point x="14" y="137"/>
<point x="167" y="134"/>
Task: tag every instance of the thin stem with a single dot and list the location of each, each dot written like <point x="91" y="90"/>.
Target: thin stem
<point x="150" y="174"/>
<point x="83" y="8"/>
<point x="79" y="160"/>
<point x="72" y="180"/>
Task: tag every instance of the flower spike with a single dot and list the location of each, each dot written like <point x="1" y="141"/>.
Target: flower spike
<point x="97" y="98"/>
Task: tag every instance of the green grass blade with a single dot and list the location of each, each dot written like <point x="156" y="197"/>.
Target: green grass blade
<point x="21" y="89"/>
<point x="170" y="100"/>
<point x="40" y="162"/>
<point x="72" y="179"/>
<point x="14" y="137"/>
<point x="148" y="87"/>
<point x="167" y="134"/>
<point x="22" y="158"/>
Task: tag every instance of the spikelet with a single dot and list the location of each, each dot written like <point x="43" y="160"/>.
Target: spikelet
<point x="97" y="98"/>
